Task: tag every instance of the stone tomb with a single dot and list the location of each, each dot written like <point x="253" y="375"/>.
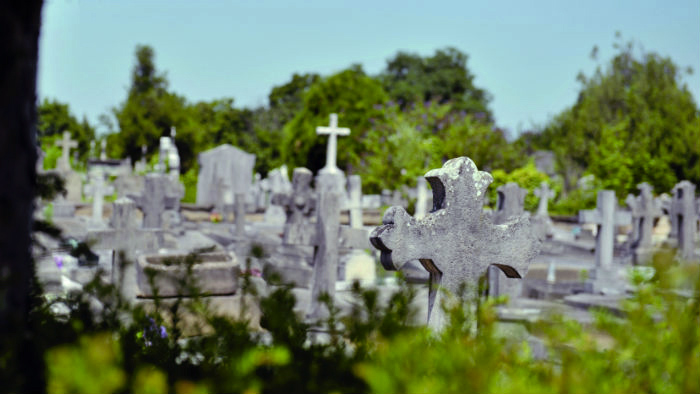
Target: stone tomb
<point x="456" y="243"/>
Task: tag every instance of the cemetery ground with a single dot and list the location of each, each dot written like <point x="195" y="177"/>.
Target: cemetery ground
<point x="192" y="304"/>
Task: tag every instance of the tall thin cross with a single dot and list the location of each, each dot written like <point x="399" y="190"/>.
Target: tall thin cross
<point x="544" y="193"/>
<point x="66" y="145"/>
<point x="607" y="217"/>
<point x="333" y="132"/>
<point x="98" y="189"/>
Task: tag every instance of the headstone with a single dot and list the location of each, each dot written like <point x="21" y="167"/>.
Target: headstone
<point x="683" y="208"/>
<point x="645" y="210"/>
<point x="456" y="242"/>
<point x="545" y="194"/>
<point x="355" y="200"/>
<point x="421" y="198"/>
<point x="510" y="202"/>
<point x="330" y="178"/>
<point x="325" y="270"/>
<point x="298" y="205"/>
<point x="541" y="222"/>
<point x="223" y="170"/>
<point x="98" y="189"/>
<point x="66" y="144"/>
<point x="125" y="237"/>
<point x="279" y="185"/>
<point x="606" y="217"/>
<point x="153" y="200"/>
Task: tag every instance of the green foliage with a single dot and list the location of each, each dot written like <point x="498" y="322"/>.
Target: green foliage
<point x="526" y="177"/>
<point x="53" y="118"/>
<point x="356" y="98"/>
<point x="406" y="144"/>
<point x="189" y="179"/>
<point x="633" y="121"/>
<point x="412" y="80"/>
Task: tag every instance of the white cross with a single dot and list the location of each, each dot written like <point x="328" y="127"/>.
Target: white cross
<point x="66" y="144"/>
<point x="333" y="131"/>
<point x="98" y="189"/>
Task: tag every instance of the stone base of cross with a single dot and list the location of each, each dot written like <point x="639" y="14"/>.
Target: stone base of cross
<point x="456" y="243"/>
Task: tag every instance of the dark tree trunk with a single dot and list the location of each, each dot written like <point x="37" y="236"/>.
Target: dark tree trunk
<point x="20" y="22"/>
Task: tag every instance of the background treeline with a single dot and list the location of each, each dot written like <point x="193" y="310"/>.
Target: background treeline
<point x="634" y="120"/>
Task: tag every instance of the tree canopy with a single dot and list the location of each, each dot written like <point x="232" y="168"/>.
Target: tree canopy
<point x="633" y="121"/>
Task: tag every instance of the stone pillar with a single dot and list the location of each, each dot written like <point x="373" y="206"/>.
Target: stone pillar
<point x="355" y="205"/>
<point x="326" y="258"/>
<point x="239" y="214"/>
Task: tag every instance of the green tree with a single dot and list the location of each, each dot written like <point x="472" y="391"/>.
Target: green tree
<point x="633" y="121"/>
<point x="54" y="118"/>
<point x="356" y="98"/>
<point x="149" y="112"/>
<point x="411" y="79"/>
<point x="403" y="145"/>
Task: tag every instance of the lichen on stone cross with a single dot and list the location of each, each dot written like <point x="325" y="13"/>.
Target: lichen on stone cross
<point x="456" y="243"/>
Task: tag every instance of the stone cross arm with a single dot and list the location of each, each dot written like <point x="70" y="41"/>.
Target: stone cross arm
<point x="456" y="242"/>
<point x="620" y="218"/>
<point x="333" y="127"/>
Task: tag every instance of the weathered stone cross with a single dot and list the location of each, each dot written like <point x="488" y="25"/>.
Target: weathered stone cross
<point x="545" y="194"/>
<point x="153" y="201"/>
<point x="66" y="144"/>
<point x="456" y="243"/>
<point x="333" y="132"/>
<point x="298" y="205"/>
<point x="684" y="210"/>
<point x="510" y="203"/>
<point x="644" y="210"/>
<point x="607" y="217"/>
<point x="98" y="189"/>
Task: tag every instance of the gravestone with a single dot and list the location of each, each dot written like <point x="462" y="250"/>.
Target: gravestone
<point x="645" y="209"/>
<point x="279" y="184"/>
<point x="606" y="217"/>
<point x="330" y="178"/>
<point x="355" y="200"/>
<point x="325" y="270"/>
<point x="98" y="189"/>
<point x="103" y="149"/>
<point x="686" y="217"/>
<point x="456" y="243"/>
<point x="224" y="169"/>
<point x="510" y="202"/>
<point x="66" y="144"/>
<point x="124" y="236"/>
<point x="153" y="200"/>
<point x="541" y="221"/>
<point x="298" y="205"/>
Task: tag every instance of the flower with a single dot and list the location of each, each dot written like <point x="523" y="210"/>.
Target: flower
<point x="59" y="261"/>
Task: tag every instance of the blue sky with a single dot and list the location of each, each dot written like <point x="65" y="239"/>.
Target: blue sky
<point x="525" y="53"/>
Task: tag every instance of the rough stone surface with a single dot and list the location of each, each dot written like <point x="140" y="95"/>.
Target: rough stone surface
<point x="223" y="169"/>
<point x="456" y="242"/>
<point x="645" y="210"/>
<point x="606" y="217"/>
<point x="298" y="205"/>
<point x="325" y="271"/>
<point x="510" y="203"/>
<point x="686" y="217"/>
<point x="355" y="200"/>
